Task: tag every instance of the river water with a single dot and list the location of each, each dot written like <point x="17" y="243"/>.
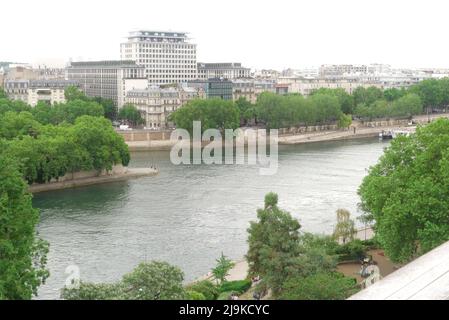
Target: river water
<point x="188" y="215"/>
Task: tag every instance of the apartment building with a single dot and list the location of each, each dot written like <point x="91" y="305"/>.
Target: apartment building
<point x="17" y="89"/>
<point x="156" y="103"/>
<point x="48" y="91"/>
<point x="108" y="79"/>
<point x="306" y="86"/>
<point x="333" y="70"/>
<point x="250" y="89"/>
<point x="167" y="57"/>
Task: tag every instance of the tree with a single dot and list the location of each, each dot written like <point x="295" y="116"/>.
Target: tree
<point x="208" y="289"/>
<point x="407" y="105"/>
<point x="213" y="113"/>
<point x="14" y="124"/>
<point x="430" y="92"/>
<point x="110" y="109"/>
<point x="221" y="271"/>
<point x="72" y="93"/>
<point x="22" y="254"/>
<point x="366" y="96"/>
<point x="154" y="281"/>
<point x="319" y="286"/>
<point x="92" y="291"/>
<point x="345" y="99"/>
<point x="393" y="94"/>
<point x="246" y="110"/>
<point x="406" y="193"/>
<point x="2" y="93"/>
<point x="105" y="147"/>
<point x="131" y="115"/>
<point x="148" y="281"/>
<point x="345" y="121"/>
<point x="344" y="229"/>
<point x="273" y="244"/>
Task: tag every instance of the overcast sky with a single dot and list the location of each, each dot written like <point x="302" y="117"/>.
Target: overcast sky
<point x="261" y="34"/>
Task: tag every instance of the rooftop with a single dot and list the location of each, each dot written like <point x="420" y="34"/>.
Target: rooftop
<point x="52" y="83"/>
<point x="426" y="278"/>
<point x="158" y="36"/>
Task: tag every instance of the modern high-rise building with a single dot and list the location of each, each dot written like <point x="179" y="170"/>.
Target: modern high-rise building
<point x="108" y="79"/>
<point x="168" y="57"/>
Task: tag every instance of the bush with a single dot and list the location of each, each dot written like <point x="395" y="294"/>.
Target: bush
<point x="352" y="250"/>
<point x="92" y="291"/>
<point x="207" y="288"/>
<point x="193" y="295"/>
<point x="239" y="286"/>
<point x="320" y="286"/>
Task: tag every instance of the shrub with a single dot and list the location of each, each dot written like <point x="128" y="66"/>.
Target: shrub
<point x="239" y="286"/>
<point x="193" y="295"/>
<point x="207" y="288"/>
<point x="320" y="286"/>
<point x="351" y="250"/>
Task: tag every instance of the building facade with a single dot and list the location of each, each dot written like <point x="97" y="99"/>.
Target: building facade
<point x="156" y="103"/>
<point x="168" y="57"/>
<point x="306" y="86"/>
<point x="213" y="88"/>
<point x="222" y="70"/>
<point x="108" y="79"/>
<point x="21" y="72"/>
<point x="48" y="91"/>
<point x="250" y="89"/>
<point x="331" y="70"/>
<point x="17" y="89"/>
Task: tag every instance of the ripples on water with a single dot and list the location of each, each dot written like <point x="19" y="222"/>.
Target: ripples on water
<point x="188" y="215"/>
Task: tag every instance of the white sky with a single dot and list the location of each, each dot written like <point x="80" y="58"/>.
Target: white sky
<point x="261" y="34"/>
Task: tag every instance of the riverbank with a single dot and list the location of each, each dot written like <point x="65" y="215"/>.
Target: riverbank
<point x="141" y="140"/>
<point x="127" y="173"/>
<point x="240" y="269"/>
<point x="330" y="136"/>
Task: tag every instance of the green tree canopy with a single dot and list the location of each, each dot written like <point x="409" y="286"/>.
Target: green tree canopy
<point x="319" y="286"/>
<point x="22" y="254"/>
<point x="14" y="124"/>
<point x="148" y="281"/>
<point x="407" y="192"/>
<point x="367" y="96"/>
<point x="213" y="114"/>
<point x="221" y="270"/>
<point x="273" y="244"/>
<point x="72" y="93"/>
<point x="130" y="114"/>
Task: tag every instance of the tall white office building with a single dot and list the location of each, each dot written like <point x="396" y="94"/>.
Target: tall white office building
<point x="168" y="57"/>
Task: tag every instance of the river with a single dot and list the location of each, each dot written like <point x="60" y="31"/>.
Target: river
<point x="188" y="215"/>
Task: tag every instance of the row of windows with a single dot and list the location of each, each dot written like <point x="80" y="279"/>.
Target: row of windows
<point x="177" y="52"/>
<point x="167" y="56"/>
<point x="171" y="76"/>
<point x="160" y="70"/>
<point x="179" y="65"/>
<point x="166" y="46"/>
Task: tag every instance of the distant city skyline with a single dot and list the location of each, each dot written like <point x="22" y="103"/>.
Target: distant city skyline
<point x="291" y="34"/>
